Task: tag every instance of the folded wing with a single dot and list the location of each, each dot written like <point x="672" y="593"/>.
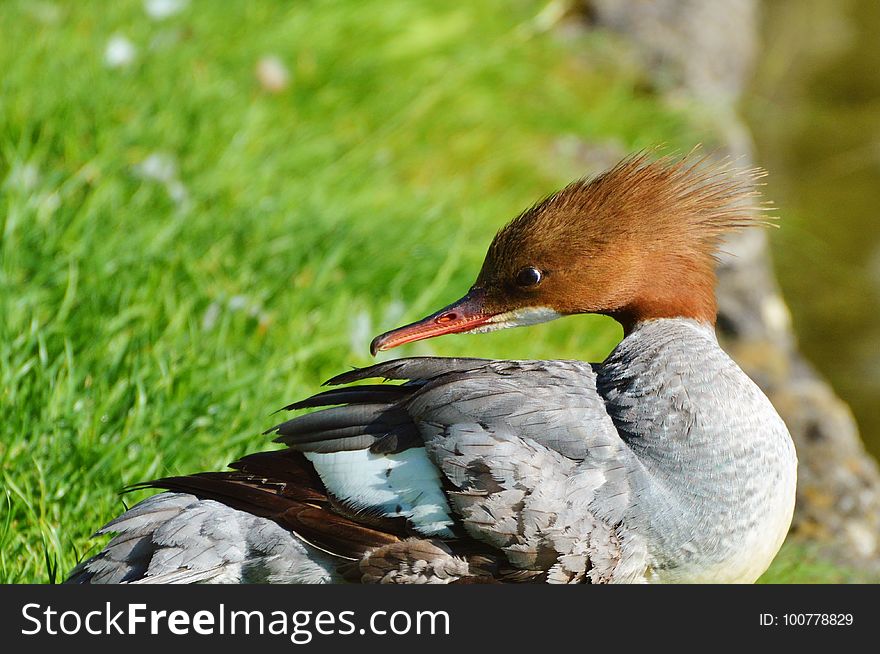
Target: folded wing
<point x="469" y="470"/>
<point x="530" y="462"/>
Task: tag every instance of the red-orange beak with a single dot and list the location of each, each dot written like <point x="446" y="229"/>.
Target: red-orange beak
<point x="462" y="316"/>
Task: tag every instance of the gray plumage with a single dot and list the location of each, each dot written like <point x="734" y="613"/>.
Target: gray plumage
<point x="663" y="464"/>
<point x="178" y="538"/>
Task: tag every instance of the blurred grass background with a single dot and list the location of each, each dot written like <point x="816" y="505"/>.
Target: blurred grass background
<point x="183" y="251"/>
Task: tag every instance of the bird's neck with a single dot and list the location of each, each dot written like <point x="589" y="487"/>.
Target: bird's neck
<point x="671" y="286"/>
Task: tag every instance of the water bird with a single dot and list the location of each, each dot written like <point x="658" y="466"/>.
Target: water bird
<point x="664" y="463"/>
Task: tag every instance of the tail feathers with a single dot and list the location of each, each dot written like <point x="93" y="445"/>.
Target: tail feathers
<point x="127" y="556"/>
<point x="144" y="516"/>
<point x="180" y="538"/>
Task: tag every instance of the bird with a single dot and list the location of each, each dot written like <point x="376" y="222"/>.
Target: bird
<point x="665" y="463"/>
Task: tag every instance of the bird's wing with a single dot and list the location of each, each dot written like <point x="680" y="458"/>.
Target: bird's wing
<point x="529" y="460"/>
<point x="283" y="487"/>
<point x="470" y="470"/>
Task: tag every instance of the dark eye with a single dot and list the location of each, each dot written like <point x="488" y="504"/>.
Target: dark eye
<point x="528" y="276"/>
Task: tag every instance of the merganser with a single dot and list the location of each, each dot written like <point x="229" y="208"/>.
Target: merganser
<point x="664" y="463"/>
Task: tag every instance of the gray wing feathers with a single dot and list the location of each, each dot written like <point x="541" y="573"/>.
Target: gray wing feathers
<point x="127" y="556"/>
<point x="178" y="538"/>
<point x="349" y="427"/>
<point x="538" y="466"/>
<point x="508" y="489"/>
<point x="409" y="369"/>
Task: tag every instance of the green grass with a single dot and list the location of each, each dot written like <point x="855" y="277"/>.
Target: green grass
<point x="803" y="562"/>
<point x="150" y="327"/>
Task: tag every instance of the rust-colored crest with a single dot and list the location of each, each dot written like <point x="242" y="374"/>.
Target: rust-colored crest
<point x="636" y="242"/>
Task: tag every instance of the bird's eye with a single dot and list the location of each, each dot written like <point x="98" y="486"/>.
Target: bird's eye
<point x="528" y="276"/>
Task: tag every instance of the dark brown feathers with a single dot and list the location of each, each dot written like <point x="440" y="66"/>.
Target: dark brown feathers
<point x="283" y="486"/>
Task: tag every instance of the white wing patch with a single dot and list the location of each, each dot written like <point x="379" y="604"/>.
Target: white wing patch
<point x="405" y="484"/>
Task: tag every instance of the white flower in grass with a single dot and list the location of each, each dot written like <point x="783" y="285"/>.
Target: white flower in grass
<point x="161" y="9"/>
<point x="238" y="302"/>
<point x="158" y="167"/>
<point x="120" y="52"/>
<point x="162" y="167"/>
<point x="272" y="74"/>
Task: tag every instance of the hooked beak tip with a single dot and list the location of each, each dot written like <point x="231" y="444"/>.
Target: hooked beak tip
<point x="466" y="314"/>
<point x="376" y="345"/>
